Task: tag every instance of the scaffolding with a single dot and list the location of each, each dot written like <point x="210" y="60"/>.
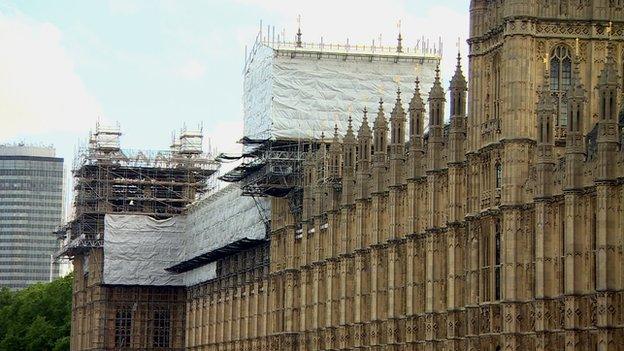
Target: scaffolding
<point x="108" y="179"/>
<point x="271" y="168"/>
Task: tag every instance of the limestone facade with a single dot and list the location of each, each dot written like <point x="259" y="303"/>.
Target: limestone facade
<point x="501" y="230"/>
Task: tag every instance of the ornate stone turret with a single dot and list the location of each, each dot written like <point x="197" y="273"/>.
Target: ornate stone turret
<point x="380" y="141"/>
<point x="380" y="136"/>
<point x="456" y="152"/>
<point x="457" y="133"/>
<point x="349" y="152"/>
<point x="575" y="144"/>
<point x="309" y="182"/>
<point x="364" y="158"/>
<point x="334" y="172"/>
<point x="436" y="123"/>
<point x="416" y="126"/>
<point x="397" y="142"/>
<point x="545" y="144"/>
<point x="397" y="128"/>
<point x="321" y="173"/>
<point x="608" y="86"/>
<point x="335" y="153"/>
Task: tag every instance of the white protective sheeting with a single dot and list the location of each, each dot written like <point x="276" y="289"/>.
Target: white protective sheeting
<point x="223" y="218"/>
<point x="299" y="96"/>
<point x="137" y="249"/>
<point x="200" y="274"/>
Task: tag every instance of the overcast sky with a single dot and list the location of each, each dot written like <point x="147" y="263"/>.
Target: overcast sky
<point x="155" y="65"/>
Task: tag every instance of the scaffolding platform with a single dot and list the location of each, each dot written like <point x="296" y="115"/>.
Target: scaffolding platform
<point x="109" y="179"/>
<point x="271" y="168"/>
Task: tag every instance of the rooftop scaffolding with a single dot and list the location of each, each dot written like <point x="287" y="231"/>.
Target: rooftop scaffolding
<point x="272" y="168"/>
<point x="108" y="179"/>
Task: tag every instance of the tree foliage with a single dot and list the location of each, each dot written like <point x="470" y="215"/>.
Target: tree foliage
<point x="37" y="318"/>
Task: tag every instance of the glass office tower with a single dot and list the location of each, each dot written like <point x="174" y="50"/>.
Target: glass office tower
<point x="31" y="207"/>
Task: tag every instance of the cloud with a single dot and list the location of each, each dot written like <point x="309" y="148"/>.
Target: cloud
<point x="40" y="90"/>
<point x="191" y="70"/>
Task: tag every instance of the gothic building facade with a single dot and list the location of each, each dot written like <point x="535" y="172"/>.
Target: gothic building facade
<point x="501" y="230"/>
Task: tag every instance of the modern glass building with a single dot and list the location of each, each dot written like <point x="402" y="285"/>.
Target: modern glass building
<point x="31" y="208"/>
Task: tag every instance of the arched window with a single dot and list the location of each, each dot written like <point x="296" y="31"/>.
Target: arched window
<point x="560" y="80"/>
<point x="497" y="260"/>
<point x="499" y="175"/>
<point x="496" y="87"/>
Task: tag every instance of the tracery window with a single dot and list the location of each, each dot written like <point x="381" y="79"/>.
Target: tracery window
<point x="496" y="88"/>
<point x="497" y="260"/>
<point x="562" y="241"/>
<point x="161" y="336"/>
<point x="560" y="80"/>
<point x="123" y="327"/>
<point x="485" y="270"/>
<point x="499" y="175"/>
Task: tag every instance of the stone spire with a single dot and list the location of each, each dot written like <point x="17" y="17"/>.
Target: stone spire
<point x="416" y="114"/>
<point x="380" y="140"/>
<point x="608" y="85"/>
<point x="349" y="150"/>
<point x="380" y="135"/>
<point x="608" y="138"/>
<point x="364" y="158"/>
<point x="436" y="95"/>
<point x="545" y="144"/>
<point x="436" y="123"/>
<point x="458" y="87"/>
<point x="364" y="144"/>
<point x="397" y="128"/>
<point x="335" y="152"/>
<point x="457" y="133"/>
<point x="575" y="143"/>
<point x="399" y="44"/>
<point x="397" y="142"/>
<point x="416" y="127"/>
<point x="309" y="183"/>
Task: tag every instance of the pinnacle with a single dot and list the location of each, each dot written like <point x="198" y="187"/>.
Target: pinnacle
<point x="436" y="92"/>
<point x="416" y="101"/>
<point x="458" y="81"/>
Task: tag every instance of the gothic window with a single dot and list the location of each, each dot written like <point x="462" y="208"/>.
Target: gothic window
<point x="496" y="87"/>
<point x="161" y="336"/>
<point x="593" y="243"/>
<point x="497" y="260"/>
<point x="616" y="3"/>
<point x="560" y="80"/>
<point x="485" y="266"/>
<point x="562" y="247"/>
<point x="499" y="175"/>
<point x="123" y="327"/>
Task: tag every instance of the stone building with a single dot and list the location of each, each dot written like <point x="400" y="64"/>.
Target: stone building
<point x="501" y="229"/>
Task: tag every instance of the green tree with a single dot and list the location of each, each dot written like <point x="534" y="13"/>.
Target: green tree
<point x="37" y="318"/>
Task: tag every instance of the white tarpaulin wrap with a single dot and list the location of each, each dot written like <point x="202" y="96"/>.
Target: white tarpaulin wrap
<point x="200" y="274"/>
<point x="288" y="97"/>
<point x="224" y="218"/>
<point x="137" y="249"/>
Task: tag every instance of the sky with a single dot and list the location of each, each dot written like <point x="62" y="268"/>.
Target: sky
<point x="154" y="66"/>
